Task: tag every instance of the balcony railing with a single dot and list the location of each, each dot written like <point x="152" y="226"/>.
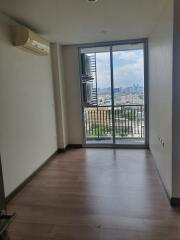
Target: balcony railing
<point x="128" y="121"/>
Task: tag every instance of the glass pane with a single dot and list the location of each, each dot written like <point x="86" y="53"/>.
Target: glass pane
<point x="103" y="79"/>
<point x="96" y="81"/>
<point x="128" y="75"/>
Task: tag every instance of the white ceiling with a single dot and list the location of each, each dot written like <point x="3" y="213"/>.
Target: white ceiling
<point x="76" y="21"/>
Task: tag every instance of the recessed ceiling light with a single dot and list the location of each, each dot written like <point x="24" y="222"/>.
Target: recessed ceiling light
<point x="92" y="1"/>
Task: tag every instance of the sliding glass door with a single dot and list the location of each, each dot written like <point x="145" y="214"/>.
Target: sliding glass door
<point x="113" y="94"/>
<point x="128" y="93"/>
<point x="97" y="97"/>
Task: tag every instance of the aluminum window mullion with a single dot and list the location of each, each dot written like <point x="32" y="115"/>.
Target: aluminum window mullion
<point x="112" y="92"/>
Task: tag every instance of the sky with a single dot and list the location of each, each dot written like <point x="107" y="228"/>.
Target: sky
<point x="128" y="69"/>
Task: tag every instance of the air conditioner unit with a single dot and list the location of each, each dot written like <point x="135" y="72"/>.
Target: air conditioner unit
<point x="29" y="41"/>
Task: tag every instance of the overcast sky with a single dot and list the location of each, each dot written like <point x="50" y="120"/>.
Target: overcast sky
<point x="128" y="69"/>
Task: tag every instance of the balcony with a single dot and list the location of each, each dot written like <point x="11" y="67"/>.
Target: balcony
<point x="128" y="124"/>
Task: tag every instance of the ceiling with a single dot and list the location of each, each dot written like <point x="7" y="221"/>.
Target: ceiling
<point x="77" y="21"/>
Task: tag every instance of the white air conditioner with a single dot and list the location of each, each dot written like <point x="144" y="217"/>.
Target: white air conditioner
<point x="29" y="41"/>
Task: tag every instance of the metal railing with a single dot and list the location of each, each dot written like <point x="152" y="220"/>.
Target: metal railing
<point x="128" y="121"/>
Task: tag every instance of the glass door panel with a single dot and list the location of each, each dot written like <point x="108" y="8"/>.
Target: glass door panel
<point x="128" y="91"/>
<point x="97" y="98"/>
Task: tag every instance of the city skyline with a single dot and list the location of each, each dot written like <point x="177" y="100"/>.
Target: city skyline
<point x="135" y="88"/>
<point x="128" y="69"/>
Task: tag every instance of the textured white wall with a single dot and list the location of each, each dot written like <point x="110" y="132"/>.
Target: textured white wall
<point x="160" y="93"/>
<point x="27" y="122"/>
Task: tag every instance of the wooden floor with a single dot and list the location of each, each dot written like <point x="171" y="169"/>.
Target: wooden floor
<point x="95" y="194"/>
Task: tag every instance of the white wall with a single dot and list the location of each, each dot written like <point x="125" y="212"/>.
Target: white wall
<point x="160" y="93"/>
<point x="73" y="94"/>
<point x="27" y="122"/>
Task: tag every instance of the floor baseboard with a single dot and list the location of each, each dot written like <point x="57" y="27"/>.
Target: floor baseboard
<point x="69" y="146"/>
<point x="160" y="178"/>
<point x="28" y="179"/>
<point x="174" y="202"/>
<point x="74" y="146"/>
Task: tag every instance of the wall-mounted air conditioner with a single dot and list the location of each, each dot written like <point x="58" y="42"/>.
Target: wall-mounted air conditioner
<point x="29" y="41"/>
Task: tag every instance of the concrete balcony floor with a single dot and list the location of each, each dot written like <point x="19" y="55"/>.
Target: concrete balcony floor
<point x="119" y="141"/>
